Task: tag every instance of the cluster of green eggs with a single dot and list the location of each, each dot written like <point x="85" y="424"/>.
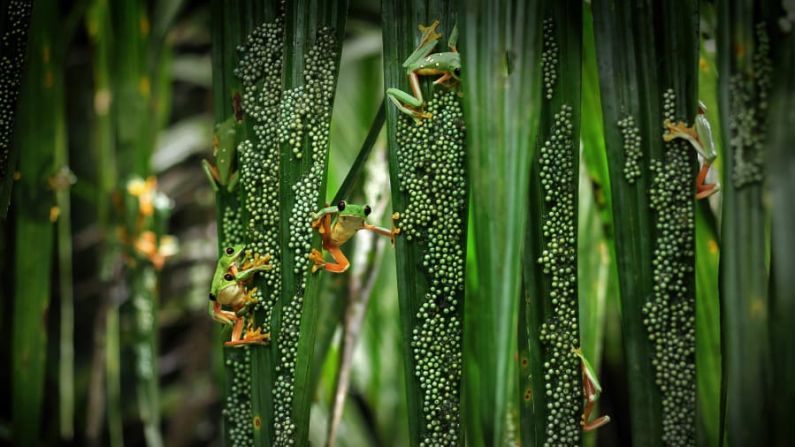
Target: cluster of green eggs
<point x="748" y="93"/>
<point x="632" y="150"/>
<point x="669" y="315"/>
<point x="560" y="330"/>
<point x="431" y="173"/>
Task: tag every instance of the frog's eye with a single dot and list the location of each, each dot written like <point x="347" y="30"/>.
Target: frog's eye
<point x="230" y="250"/>
<point x="457" y="72"/>
<point x="341" y="205"/>
<point x="212" y="297"/>
<point x="229" y="277"/>
<point x="367" y="210"/>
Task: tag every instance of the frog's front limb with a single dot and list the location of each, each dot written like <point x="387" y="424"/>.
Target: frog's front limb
<point x="383" y="231"/>
<point x="680" y="130"/>
<point x="212" y="174"/>
<point x="249" y="268"/>
<point x="252" y="336"/>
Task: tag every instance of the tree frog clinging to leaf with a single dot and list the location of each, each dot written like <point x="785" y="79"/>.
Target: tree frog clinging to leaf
<point x="700" y="137"/>
<point x="224" y="172"/>
<point x="348" y="219"/>
<point x="228" y="289"/>
<point x="424" y="63"/>
<point x="591" y="390"/>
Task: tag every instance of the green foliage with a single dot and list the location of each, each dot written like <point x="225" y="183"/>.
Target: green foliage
<point x="15" y="18"/>
<point x="428" y="179"/>
<point x="37" y="129"/>
<point x="500" y="50"/>
<point x="548" y="144"/>
<point x="630" y="42"/>
<point x="550" y="286"/>
<point x="293" y="115"/>
<point x="781" y="166"/>
<point x="743" y="92"/>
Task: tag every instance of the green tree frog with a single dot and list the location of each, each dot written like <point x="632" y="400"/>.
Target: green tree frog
<point x="233" y="271"/>
<point x="348" y="219"/>
<point x="225" y="138"/>
<point x="424" y="63"/>
<point x="700" y="137"/>
<point x="591" y="390"/>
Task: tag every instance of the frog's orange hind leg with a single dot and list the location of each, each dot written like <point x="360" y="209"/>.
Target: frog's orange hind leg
<point x="703" y="190"/>
<point x="596" y="423"/>
<point x="589" y="390"/>
<point x="443" y="78"/>
<point x="237" y="331"/>
<point x="323" y="226"/>
<point x="340" y="263"/>
<point x="252" y="337"/>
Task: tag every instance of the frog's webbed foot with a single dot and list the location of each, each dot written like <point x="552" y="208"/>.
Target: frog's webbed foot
<point x="429" y="32"/>
<point x="252" y="337"/>
<point x="703" y="189"/>
<point x="680" y="130"/>
<point x="395" y="230"/>
<point x="248" y="302"/>
<point x="391" y="233"/>
<point x="317" y="258"/>
<point x="256" y="263"/>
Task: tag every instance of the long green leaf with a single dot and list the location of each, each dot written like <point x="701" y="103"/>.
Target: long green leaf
<point x="428" y="180"/>
<point x="500" y="50"/>
<point x="743" y="88"/>
<point x="99" y="30"/>
<point x="290" y="133"/>
<point x="650" y="183"/>
<point x="781" y="165"/>
<point x="708" y="364"/>
<point x="311" y="64"/>
<point x="38" y="121"/>
<point x="550" y="266"/>
<point x="65" y="178"/>
<point x="346" y="188"/>
<point x="229" y="26"/>
<point x="15" y="19"/>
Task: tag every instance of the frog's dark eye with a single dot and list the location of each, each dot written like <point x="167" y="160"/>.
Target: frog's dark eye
<point x="367" y="210"/>
<point x="457" y="72"/>
<point x="212" y="297"/>
<point x="341" y="205"/>
<point x="229" y="277"/>
<point x="230" y="250"/>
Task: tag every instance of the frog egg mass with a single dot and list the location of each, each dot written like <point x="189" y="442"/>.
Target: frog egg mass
<point x="560" y="331"/>
<point x="431" y="171"/>
<point x="632" y="148"/>
<point x="669" y="315"/>
<point x="298" y="118"/>
<point x="748" y="107"/>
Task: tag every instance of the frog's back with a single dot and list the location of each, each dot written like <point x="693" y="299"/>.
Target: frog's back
<point x="442" y="61"/>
